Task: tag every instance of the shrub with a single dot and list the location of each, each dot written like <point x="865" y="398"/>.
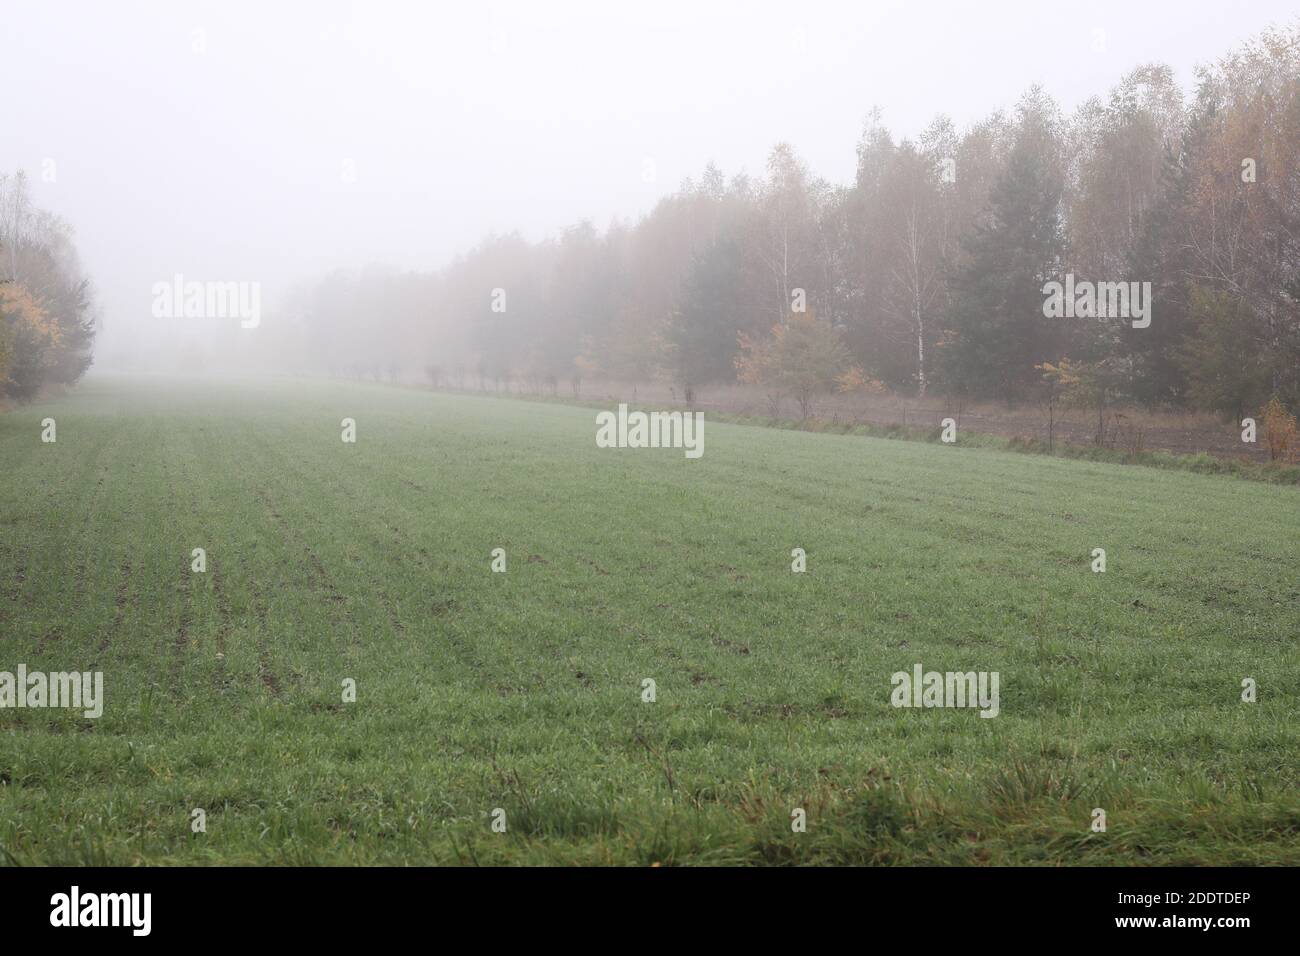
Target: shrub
<point x="1279" y="430"/>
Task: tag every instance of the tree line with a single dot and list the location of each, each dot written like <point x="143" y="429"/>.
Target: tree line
<point x="925" y="275"/>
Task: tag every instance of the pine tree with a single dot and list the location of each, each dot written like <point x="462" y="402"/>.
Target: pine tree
<point x="701" y="336"/>
<point x="996" y="331"/>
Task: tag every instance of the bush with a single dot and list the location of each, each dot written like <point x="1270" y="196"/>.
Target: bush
<point x="1279" y="430"/>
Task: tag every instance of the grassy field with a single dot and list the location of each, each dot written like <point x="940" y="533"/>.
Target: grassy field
<point x="522" y="691"/>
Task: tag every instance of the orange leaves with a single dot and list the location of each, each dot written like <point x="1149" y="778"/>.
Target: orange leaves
<point x="855" y="379"/>
<point x="25" y="327"/>
<point x="1279" y="430"/>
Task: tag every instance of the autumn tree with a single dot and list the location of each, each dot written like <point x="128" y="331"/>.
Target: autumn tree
<point x="804" y="356"/>
<point x="1244" y="225"/>
<point x="46" y="310"/>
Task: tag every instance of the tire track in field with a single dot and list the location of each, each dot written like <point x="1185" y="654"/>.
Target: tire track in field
<point x="121" y="595"/>
<point x="326" y="481"/>
<point x="210" y="467"/>
<point x="79" y="576"/>
<point x="321" y="582"/>
<point x="81" y="546"/>
<point x="224" y="625"/>
<point x="121" y="598"/>
<point x="265" y="672"/>
<point x="16" y="589"/>
<point x="190" y="581"/>
<point x="464" y="652"/>
<point x="382" y="486"/>
<point x="257" y="614"/>
<point x="387" y="603"/>
<point x="360" y="489"/>
<point x="79" y="541"/>
<point x="395" y="508"/>
<point x="52" y="636"/>
<point x="67" y="538"/>
<point x="301" y="477"/>
<point x="659" y="648"/>
<point x="184" y="587"/>
<point x="181" y="642"/>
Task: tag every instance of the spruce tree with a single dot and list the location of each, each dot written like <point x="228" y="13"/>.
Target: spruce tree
<point x="996" y="331"/>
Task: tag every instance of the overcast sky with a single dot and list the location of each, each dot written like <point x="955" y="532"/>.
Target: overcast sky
<point x="268" y="141"/>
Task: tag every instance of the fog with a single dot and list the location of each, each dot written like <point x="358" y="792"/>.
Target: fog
<point x="273" y="143"/>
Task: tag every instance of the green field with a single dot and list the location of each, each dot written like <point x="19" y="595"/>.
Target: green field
<point x="523" y="691"/>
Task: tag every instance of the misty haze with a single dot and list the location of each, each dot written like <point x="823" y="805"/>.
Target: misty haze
<point x="650" y="435"/>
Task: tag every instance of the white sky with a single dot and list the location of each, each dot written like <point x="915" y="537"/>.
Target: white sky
<point x="462" y="118"/>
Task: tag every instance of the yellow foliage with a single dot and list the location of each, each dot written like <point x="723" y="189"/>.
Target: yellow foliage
<point x="854" y="379"/>
<point x="1064" y="374"/>
<point x="1279" y="430"/>
<point x="24" y="325"/>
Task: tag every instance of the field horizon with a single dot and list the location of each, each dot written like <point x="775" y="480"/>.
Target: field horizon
<point x="484" y="697"/>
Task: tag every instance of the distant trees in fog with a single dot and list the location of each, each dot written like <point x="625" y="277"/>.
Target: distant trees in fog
<point x="926" y="273"/>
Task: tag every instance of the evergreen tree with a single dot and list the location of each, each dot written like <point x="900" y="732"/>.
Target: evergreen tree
<point x="996" y="331"/>
<point x="701" y="336"/>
